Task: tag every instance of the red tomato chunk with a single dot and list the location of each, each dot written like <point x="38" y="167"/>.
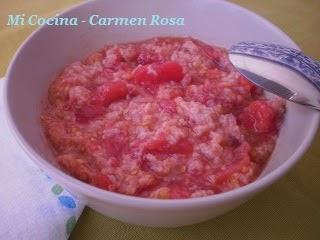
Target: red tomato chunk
<point x="110" y="92"/>
<point x="152" y="74"/>
<point x="163" y="146"/>
<point x="170" y="71"/>
<point x="146" y="75"/>
<point x="165" y="118"/>
<point x="259" y="117"/>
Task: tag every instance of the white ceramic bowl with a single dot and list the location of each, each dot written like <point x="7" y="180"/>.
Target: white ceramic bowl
<point x="49" y="49"/>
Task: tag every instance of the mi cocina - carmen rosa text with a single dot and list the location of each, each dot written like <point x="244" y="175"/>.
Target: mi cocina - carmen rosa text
<point x="94" y="20"/>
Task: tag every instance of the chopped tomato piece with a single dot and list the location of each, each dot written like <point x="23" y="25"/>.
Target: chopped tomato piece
<point x="116" y="92"/>
<point x="105" y="95"/>
<point x="146" y="75"/>
<point x="152" y="74"/>
<point x="259" y="116"/>
<point x="110" y="92"/>
<point x="89" y="112"/>
<point x="170" y="71"/>
<point x="157" y="145"/>
<point x="161" y="145"/>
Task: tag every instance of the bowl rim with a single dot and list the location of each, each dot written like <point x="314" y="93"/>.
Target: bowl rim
<point x="88" y="191"/>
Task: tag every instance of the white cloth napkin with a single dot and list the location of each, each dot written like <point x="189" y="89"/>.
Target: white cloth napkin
<point x="32" y="205"/>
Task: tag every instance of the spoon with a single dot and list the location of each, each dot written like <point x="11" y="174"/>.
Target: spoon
<point x="281" y="70"/>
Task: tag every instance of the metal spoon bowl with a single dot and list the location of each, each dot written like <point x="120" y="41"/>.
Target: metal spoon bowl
<point x="283" y="71"/>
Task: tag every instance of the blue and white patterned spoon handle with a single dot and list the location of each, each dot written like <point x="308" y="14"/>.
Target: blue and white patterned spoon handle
<point x="286" y="56"/>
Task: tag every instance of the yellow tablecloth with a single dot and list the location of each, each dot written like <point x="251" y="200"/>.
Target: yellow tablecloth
<point x="290" y="209"/>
